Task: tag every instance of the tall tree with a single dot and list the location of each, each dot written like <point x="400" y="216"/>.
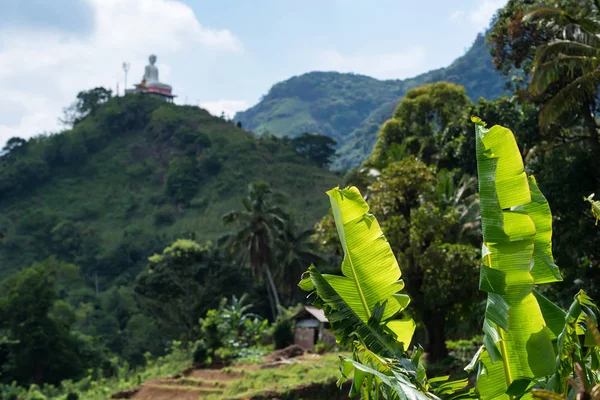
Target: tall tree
<point x="256" y="229"/>
<point x="555" y="42"/>
<point x="424" y="124"/>
<point x="182" y="283"/>
<point x="41" y="349"/>
<point x="422" y="221"/>
<point x="566" y="68"/>
<point x="87" y="103"/>
<point x="318" y="148"/>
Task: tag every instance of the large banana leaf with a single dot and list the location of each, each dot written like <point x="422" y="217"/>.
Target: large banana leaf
<point x="371" y="272"/>
<point x="348" y="326"/>
<point x="517" y="252"/>
<point x="361" y="304"/>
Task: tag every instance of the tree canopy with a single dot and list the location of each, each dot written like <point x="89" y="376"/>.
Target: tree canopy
<point x="318" y="148"/>
<point x="87" y="103"/>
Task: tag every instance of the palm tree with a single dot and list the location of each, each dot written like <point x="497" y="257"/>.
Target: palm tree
<point x="257" y="227"/>
<point x="463" y="198"/>
<point x="296" y="251"/>
<point x="567" y="68"/>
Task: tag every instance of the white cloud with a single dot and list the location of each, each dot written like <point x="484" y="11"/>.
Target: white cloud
<point x="42" y="71"/>
<point x="480" y="16"/>
<point x="384" y="66"/>
<point x="229" y="107"/>
<point x="484" y="12"/>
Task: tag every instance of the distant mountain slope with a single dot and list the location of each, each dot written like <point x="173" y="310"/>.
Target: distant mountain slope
<point x="105" y="183"/>
<point x="350" y="108"/>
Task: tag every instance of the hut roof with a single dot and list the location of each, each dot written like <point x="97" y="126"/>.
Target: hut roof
<point x="311" y="311"/>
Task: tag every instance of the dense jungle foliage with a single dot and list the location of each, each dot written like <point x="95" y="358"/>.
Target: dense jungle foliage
<point x="152" y="236"/>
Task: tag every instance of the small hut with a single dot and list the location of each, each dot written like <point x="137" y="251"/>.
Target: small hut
<point x="311" y="326"/>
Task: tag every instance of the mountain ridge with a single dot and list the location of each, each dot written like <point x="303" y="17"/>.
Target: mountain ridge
<point x="350" y="107"/>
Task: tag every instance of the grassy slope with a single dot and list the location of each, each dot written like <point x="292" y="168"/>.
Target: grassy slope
<point x="120" y="188"/>
<point x="350" y="108"/>
<point x="240" y="381"/>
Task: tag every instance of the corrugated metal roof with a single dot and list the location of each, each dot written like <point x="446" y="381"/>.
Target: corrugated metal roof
<point x="315" y="312"/>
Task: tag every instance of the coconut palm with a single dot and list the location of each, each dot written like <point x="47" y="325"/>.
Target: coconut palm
<point x="257" y="227"/>
<point x="296" y="252"/>
<point x="567" y="68"/>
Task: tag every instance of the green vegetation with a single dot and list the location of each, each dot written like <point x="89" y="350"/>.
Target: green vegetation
<point x="94" y="387"/>
<point x="318" y="148"/>
<point x="518" y="355"/>
<point x="318" y="370"/>
<point x="151" y="238"/>
<point x="268" y="241"/>
<point x="350" y="108"/>
<point x="229" y="332"/>
<point x="84" y="210"/>
<point x="132" y="177"/>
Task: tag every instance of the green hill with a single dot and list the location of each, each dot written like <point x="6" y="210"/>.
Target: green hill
<point x="138" y="173"/>
<point x="350" y="108"/>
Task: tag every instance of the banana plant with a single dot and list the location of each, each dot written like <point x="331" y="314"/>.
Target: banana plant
<point x="531" y="348"/>
<point x="371" y="275"/>
<point x="362" y="306"/>
<point x="517" y="253"/>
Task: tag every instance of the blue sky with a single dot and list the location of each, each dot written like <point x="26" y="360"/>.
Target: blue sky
<point x="221" y="54"/>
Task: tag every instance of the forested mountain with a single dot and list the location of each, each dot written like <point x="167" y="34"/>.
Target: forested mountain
<point x="134" y="176"/>
<point x="350" y="108"/>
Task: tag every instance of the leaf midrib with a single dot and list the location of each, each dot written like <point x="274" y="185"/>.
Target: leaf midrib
<point x="355" y="277"/>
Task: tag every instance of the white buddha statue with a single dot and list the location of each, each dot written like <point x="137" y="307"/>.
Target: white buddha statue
<point x="151" y="75"/>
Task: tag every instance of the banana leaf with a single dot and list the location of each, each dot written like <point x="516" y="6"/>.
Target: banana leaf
<point x="347" y="326"/>
<point x="363" y="304"/>
<point x="367" y="381"/>
<point x="517" y="253"/>
<point x="371" y="275"/>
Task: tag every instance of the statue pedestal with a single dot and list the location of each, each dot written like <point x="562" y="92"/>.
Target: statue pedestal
<point x="161" y="92"/>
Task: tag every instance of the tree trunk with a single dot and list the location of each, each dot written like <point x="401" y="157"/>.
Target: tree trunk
<point x="274" y="292"/>
<point x="271" y="302"/>
<point x="435" y="324"/>
<point x="592" y="125"/>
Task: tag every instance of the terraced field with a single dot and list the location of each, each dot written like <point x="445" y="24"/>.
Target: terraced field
<point x="309" y="376"/>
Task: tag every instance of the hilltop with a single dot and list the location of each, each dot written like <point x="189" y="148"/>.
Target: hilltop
<point x="135" y="175"/>
<point x="350" y="108"/>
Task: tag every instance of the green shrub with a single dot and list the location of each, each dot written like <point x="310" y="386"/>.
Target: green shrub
<point x="212" y="164"/>
<point x="231" y="330"/>
<point x="200" y="353"/>
<point x="165" y="215"/>
<point x="224" y="355"/>
<point x="191" y="141"/>
<point x="283" y="333"/>
<point x="210" y="329"/>
<point x="182" y="179"/>
<point x="164" y="122"/>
